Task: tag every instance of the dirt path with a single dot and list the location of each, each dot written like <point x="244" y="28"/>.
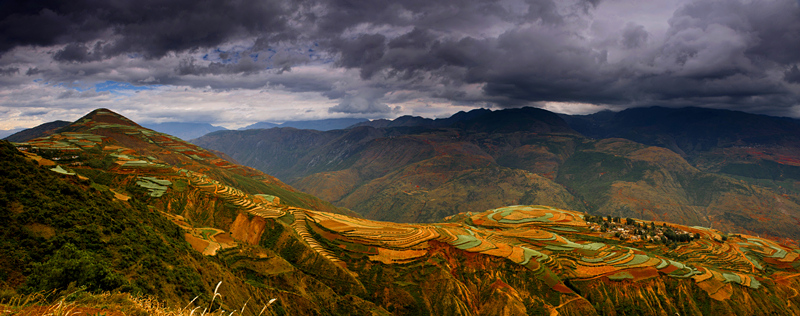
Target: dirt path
<point x="554" y="311"/>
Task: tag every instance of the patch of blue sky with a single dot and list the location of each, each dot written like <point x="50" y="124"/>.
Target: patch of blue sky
<point x="328" y="60"/>
<point x="110" y="86"/>
<point x="232" y="55"/>
<point x="121" y="87"/>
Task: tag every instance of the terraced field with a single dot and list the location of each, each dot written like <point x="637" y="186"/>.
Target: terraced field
<point x="534" y="237"/>
<point x="557" y="245"/>
<point x="253" y="204"/>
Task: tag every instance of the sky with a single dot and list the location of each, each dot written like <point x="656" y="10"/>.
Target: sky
<point x="235" y="62"/>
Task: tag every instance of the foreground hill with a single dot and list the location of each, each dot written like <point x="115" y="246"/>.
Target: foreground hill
<point x="104" y="204"/>
<point x="485" y="159"/>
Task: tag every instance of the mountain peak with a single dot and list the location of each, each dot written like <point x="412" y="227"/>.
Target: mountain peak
<point x="104" y="115"/>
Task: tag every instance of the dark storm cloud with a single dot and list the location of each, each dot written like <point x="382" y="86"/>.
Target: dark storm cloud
<point x="725" y="50"/>
<point x="792" y="75"/>
<point x="78" y="52"/>
<point x="715" y="53"/>
<point x="503" y="53"/>
<point x="244" y="66"/>
<point x="10" y="71"/>
<point x="363" y="52"/>
<point x="153" y="28"/>
<point x="633" y="36"/>
<point x="33" y="71"/>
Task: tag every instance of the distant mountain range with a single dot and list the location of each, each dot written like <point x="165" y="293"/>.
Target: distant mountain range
<point x="416" y="121"/>
<point x="188" y="131"/>
<point x="319" y="125"/>
<point x="184" y="130"/>
<point x="724" y="169"/>
<point x="9" y="132"/>
<point x="31" y="133"/>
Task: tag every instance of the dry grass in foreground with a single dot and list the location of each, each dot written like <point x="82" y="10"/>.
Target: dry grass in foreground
<point x="79" y="302"/>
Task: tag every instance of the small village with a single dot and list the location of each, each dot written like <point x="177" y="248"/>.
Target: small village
<point x="631" y="230"/>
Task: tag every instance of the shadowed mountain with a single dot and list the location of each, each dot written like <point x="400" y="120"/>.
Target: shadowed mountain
<point x="732" y="142"/>
<point x="9" y="132"/>
<point x="260" y="125"/>
<point x="106" y="205"/>
<point x="38" y="131"/>
<point x="690" y="131"/>
<point x="184" y="130"/>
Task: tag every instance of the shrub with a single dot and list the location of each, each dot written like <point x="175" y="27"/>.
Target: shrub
<point x="72" y="265"/>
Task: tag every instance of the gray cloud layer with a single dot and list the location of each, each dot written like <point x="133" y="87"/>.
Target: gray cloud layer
<point x="725" y="54"/>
